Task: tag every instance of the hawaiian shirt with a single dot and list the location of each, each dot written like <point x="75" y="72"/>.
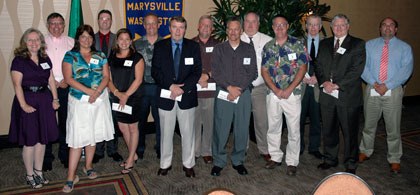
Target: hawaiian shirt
<point x="146" y="49"/>
<point x="283" y="61"/>
<point x="88" y="74"/>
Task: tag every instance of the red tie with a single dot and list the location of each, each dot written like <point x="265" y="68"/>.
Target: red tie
<point x="383" y="69"/>
<point x="336" y="46"/>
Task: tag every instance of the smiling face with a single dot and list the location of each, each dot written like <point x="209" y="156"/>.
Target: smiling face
<point x="234" y="31"/>
<point x="85" y="40"/>
<point x="124" y="41"/>
<point x="205" y="28"/>
<point x="151" y="25"/>
<point x="251" y="24"/>
<point x="33" y="42"/>
<point x="104" y="22"/>
<point x="340" y="27"/>
<point x="313" y="26"/>
<point x="388" y="28"/>
<point x="280" y="27"/>
<point x="56" y="26"/>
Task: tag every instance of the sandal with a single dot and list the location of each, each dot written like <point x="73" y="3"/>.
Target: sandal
<point x="69" y="185"/>
<point x="123" y="164"/>
<point x="91" y="173"/>
<point x="39" y="178"/>
<point x="126" y="170"/>
<point x="32" y="182"/>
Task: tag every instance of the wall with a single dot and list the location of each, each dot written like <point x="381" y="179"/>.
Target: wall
<point x="17" y="16"/>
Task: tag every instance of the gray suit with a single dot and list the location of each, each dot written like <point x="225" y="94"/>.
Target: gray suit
<point x="110" y="45"/>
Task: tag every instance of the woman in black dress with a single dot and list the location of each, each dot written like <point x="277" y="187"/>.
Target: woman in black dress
<point x="127" y="67"/>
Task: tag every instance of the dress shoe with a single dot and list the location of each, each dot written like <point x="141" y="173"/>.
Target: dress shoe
<point x="158" y="155"/>
<point x="363" y="157"/>
<point x="266" y="157"/>
<point x="325" y="166"/>
<point x="140" y="156"/>
<point x="395" y="167"/>
<point x="208" y="159"/>
<point x="215" y="171"/>
<point x="116" y="157"/>
<point x="317" y="154"/>
<point x="96" y="158"/>
<point x="164" y="172"/>
<point x="47" y="167"/>
<point x="189" y="172"/>
<point x="352" y="171"/>
<point x="240" y="169"/>
<point x="65" y="163"/>
<point x="272" y="164"/>
<point x="291" y="170"/>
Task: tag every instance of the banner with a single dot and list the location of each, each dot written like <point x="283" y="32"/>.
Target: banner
<point x="76" y="17"/>
<point x="135" y="10"/>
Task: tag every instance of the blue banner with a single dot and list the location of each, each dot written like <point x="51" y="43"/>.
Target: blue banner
<point x="135" y="10"/>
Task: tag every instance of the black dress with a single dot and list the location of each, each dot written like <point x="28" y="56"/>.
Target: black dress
<point x="123" y="75"/>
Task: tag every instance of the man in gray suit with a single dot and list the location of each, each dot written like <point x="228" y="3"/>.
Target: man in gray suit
<point x="104" y="40"/>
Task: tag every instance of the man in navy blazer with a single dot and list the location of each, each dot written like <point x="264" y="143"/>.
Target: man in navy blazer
<point x="176" y="68"/>
<point x="340" y="63"/>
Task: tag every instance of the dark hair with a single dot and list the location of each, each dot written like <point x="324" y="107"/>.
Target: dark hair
<point x="179" y="19"/>
<point x="116" y="48"/>
<point x="82" y="28"/>
<point x="234" y="19"/>
<point x="106" y="12"/>
<point x="23" y="51"/>
<point x="54" y="15"/>
<point x="395" y="22"/>
<point x="279" y="16"/>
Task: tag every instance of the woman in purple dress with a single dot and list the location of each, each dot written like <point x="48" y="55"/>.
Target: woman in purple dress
<point x="33" y="123"/>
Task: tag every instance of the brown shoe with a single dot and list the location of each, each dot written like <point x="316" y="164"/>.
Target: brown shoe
<point x="395" y="167"/>
<point x="363" y="157"/>
<point x="291" y="170"/>
<point x="266" y="157"/>
<point x="208" y="159"/>
<point x="272" y="164"/>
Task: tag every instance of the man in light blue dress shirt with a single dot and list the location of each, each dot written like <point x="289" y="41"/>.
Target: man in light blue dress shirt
<point x="384" y="91"/>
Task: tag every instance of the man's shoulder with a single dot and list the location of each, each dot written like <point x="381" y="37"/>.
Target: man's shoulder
<point x="264" y="36"/>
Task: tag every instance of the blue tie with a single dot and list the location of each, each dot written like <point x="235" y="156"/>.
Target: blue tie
<point x="177" y="58"/>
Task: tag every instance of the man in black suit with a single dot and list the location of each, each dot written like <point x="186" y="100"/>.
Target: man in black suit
<point x="176" y="68"/>
<point x="339" y="65"/>
<point x="104" y="40"/>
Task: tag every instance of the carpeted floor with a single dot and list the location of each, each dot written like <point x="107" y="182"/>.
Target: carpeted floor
<point x="259" y="181"/>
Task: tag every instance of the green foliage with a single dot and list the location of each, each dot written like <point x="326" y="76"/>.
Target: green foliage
<point x="294" y="10"/>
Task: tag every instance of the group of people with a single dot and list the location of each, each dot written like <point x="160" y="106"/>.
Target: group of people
<point x="206" y="85"/>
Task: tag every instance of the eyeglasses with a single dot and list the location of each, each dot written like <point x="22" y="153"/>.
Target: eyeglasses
<point x="281" y="25"/>
<point x="105" y="19"/>
<point x="339" y="25"/>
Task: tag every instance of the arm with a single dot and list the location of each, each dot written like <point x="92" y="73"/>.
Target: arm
<point x="68" y="77"/>
<point x="298" y="78"/>
<point x="405" y="69"/>
<point x="138" y="74"/>
<point x="104" y="83"/>
<point x="217" y="67"/>
<point x="17" y="84"/>
<point x="53" y="88"/>
<point x="158" y="61"/>
<point x="270" y="84"/>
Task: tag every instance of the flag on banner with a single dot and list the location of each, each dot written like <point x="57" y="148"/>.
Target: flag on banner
<point x="76" y="17"/>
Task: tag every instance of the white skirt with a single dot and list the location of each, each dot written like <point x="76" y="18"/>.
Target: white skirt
<point x="88" y="124"/>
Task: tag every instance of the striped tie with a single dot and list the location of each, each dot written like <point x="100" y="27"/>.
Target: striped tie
<point x="383" y="69"/>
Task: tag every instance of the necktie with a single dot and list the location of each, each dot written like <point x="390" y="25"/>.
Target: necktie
<point x="177" y="58"/>
<point x="250" y="41"/>
<point x="336" y="46"/>
<point x="383" y="69"/>
<point x="104" y="46"/>
<point x="312" y="54"/>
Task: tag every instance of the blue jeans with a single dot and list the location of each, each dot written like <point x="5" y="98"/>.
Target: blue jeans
<point x="148" y="100"/>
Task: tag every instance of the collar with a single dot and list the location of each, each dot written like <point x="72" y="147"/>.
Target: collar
<point x="173" y="42"/>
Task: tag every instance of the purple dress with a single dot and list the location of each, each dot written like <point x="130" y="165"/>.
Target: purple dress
<point x="40" y="126"/>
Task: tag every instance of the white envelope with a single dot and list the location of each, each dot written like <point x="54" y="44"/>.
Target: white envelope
<point x="374" y="93"/>
<point x="210" y="87"/>
<point x="127" y="109"/>
<point x="223" y="96"/>
<point x="334" y="93"/>
<point x="167" y="94"/>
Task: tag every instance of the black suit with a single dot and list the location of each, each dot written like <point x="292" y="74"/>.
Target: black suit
<point x="344" y="70"/>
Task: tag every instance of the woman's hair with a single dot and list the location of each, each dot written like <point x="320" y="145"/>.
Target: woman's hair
<point x="116" y="48"/>
<point x="23" y="50"/>
<point x="83" y="28"/>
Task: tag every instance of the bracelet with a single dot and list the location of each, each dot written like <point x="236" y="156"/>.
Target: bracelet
<point x="115" y="91"/>
<point x="208" y="74"/>
<point x="56" y="100"/>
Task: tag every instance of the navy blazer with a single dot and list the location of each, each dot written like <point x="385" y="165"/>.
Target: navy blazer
<point x="346" y="70"/>
<point x="163" y="72"/>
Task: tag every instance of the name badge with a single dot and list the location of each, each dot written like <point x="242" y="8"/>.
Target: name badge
<point x="292" y="56"/>
<point x="128" y="63"/>
<point x="94" y="61"/>
<point x="189" y="61"/>
<point x="209" y="49"/>
<point x="247" y="61"/>
<point x="341" y="50"/>
<point x="45" y="66"/>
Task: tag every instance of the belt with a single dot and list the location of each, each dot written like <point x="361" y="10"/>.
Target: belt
<point x="34" y="89"/>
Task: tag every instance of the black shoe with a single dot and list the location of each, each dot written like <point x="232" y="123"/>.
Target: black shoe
<point x="325" y="166"/>
<point x="317" y="154"/>
<point x="65" y="163"/>
<point x="117" y="157"/>
<point x="164" y="172"/>
<point x="291" y="170"/>
<point x="96" y="158"/>
<point x="272" y="164"/>
<point x="240" y="169"/>
<point x="215" y="171"/>
<point x="47" y="166"/>
<point x="158" y="155"/>
<point x="189" y="172"/>
<point x="352" y="171"/>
